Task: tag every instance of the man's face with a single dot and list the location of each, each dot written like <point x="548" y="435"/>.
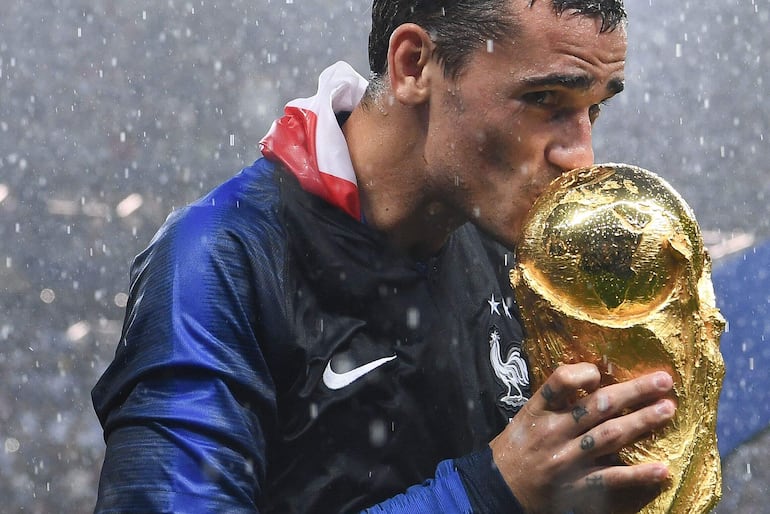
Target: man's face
<point x="520" y="114"/>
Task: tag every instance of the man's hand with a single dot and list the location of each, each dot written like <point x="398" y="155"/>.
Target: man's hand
<point x="558" y="451"/>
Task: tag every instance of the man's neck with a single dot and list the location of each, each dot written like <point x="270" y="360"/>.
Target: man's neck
<point x="396" y="198"/>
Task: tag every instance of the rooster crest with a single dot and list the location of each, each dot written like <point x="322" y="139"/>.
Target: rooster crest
<point x="512" y="371"/>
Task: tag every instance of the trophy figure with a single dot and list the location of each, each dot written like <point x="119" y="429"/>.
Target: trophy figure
<point x="611" y="269"/>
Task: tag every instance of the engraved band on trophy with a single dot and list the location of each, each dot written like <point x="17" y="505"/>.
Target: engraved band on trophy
<point x="611" y="269"/>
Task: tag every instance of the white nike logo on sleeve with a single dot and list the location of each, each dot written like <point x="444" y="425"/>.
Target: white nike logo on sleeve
<point x="335" y="381"/>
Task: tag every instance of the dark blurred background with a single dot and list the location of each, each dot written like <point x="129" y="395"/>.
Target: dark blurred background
<point x="112" y="114"/>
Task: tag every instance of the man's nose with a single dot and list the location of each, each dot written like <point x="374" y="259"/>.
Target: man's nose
<point x="572" y="146"/>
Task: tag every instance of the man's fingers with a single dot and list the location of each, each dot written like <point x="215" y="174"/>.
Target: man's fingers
<point x="626" y="488"/>
<point x="560" y="394"/>
<point x="562" y="387"/>
<point x="610" y="401"/>
<point x="612" y="435"/>
<point x="598" y="443"/>
<point x="570" y="426"/>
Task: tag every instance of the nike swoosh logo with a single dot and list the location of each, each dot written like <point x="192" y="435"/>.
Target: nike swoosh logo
<point x="335" y="381"/>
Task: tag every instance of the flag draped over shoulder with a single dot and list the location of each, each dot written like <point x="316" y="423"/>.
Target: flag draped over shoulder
<point x="309" y="142"/>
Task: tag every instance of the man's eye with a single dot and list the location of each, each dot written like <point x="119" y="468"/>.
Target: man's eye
<point x="541" y="98"/>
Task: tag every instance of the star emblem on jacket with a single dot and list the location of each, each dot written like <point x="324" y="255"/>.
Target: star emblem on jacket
<point x="494" y="307"/>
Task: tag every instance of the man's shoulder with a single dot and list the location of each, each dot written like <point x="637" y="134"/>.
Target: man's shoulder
<point x="246" y="202"/>
<point x="253" y="191"/>
<point x="235" y="220"/>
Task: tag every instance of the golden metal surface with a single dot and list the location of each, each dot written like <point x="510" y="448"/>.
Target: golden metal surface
<point x="611" y="269"/>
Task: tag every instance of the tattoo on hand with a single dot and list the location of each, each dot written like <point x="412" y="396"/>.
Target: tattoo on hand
<point x="587" y="443"/>
<point x="578" y="412"/>
<point x="548" y="394"/>
<point x="595" y="482"/>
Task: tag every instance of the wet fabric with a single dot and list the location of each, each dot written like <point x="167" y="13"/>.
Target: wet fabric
<point x="216" y="399"/>
<point x="308" y="142"/>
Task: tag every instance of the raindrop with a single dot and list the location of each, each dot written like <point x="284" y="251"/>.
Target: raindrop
<point x="129" y="204"/>
<point x="12" y="445"/>
<point x="47" y="295"/>
<point x="78" y="331"/>
<point x="378" y="433"/>
<point x="413" y="318"/>
<point x="121" y="300"/>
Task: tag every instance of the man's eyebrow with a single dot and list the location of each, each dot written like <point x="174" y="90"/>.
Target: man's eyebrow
<point x="614" y="86"/>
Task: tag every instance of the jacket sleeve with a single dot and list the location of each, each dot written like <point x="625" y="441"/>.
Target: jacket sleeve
<point x="188" y="401"/>
<point x="471" y="484"/>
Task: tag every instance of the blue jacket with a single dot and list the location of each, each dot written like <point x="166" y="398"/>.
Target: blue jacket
<point x="279" y="356"/>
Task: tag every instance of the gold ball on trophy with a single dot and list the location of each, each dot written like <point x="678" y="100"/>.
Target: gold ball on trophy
<point x="611" y="269"/>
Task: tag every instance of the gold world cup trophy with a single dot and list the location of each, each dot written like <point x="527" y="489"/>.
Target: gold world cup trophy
<point x="611" y="269"/>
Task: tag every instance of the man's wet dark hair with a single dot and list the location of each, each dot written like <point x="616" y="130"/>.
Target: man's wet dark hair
<point x="458" y="27"/>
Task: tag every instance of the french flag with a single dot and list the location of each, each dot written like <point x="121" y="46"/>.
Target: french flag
<point x="309" y="142"/>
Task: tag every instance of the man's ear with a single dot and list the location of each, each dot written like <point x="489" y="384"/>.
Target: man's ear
<point x="410" y="64"/>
